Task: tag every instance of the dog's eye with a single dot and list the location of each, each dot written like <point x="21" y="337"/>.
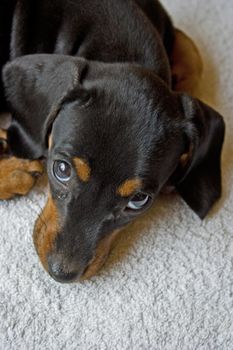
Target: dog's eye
<point x="62" y="171"/>
<point x="139" y="201"/>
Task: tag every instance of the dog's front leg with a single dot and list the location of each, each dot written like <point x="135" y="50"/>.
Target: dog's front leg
<point x="17" y="176"/>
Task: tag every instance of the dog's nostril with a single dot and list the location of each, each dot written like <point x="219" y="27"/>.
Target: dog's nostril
<point x="57" y="271"/>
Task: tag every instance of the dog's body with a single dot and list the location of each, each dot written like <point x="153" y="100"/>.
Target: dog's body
<point x="93" y="97"/>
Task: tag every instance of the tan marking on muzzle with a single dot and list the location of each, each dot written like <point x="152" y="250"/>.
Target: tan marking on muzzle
<point x="46" y="230"/>
<point x="102" y="252"/>
<point x="82" y="168"/>
<point x="129" y="187"/>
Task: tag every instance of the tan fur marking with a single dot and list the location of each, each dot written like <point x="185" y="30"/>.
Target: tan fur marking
<point x="3" y="142"/>
<point x="102" y="252"/>
<point x="17" y="176"/>
<point x="3" y="134"/>
<point x="186" y="64"/>
<point x="129" y="187"/>
<point x="46" y="230"/>
<point x="185" y="157"/>
<point x="83" y="169"/>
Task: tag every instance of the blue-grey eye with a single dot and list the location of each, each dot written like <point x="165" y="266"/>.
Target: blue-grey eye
<point x="139" y="201"/>
<point x="62" y="171"/>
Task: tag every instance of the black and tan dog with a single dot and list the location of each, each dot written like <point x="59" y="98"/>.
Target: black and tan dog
<point x="89" y="86"/>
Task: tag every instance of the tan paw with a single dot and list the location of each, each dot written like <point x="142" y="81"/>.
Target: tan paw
<point x="18" y="176"/>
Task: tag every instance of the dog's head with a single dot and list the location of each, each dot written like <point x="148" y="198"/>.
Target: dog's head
<point x="113" y="135"/>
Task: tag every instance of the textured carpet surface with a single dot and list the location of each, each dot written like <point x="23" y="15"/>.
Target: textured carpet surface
<point x="168" y="284"/>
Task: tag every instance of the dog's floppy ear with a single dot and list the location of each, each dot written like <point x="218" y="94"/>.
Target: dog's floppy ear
<point x="199" y="174"/>
<point x="36" y="87"/>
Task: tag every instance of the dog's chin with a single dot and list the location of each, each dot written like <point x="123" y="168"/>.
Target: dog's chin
<point x="102" y="252"/>
<point x="94" y="267"/>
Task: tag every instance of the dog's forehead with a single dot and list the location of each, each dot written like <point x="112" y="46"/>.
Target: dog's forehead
<point x="113" y="146"/>
<point x="116" y="133"/>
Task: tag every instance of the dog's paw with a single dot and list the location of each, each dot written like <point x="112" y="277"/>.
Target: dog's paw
<point x="18" y="176"/>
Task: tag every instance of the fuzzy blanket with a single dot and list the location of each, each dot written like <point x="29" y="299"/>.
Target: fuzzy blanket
<point x="168" y="283"/>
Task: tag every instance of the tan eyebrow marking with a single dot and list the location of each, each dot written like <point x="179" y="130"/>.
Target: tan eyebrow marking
<point x="82" y="168"/>
<point x="129" y="187"/>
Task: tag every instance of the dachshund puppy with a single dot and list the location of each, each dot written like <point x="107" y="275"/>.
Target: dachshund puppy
<point x="98" y="90"/>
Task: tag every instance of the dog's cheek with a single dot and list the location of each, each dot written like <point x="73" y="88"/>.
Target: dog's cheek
<point x="102" y="251"/>
<point x="46" y="230"/>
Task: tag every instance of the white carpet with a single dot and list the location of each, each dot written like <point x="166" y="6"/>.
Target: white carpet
<point x="169" y="282"/>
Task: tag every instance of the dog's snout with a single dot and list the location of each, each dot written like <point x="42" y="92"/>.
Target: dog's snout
<point x="60" y="272"/>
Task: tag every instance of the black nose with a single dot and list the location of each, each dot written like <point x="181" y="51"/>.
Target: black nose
<point x="61" y="274"/>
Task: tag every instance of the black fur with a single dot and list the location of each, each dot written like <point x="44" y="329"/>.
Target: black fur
<point x="98" y="77"/>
